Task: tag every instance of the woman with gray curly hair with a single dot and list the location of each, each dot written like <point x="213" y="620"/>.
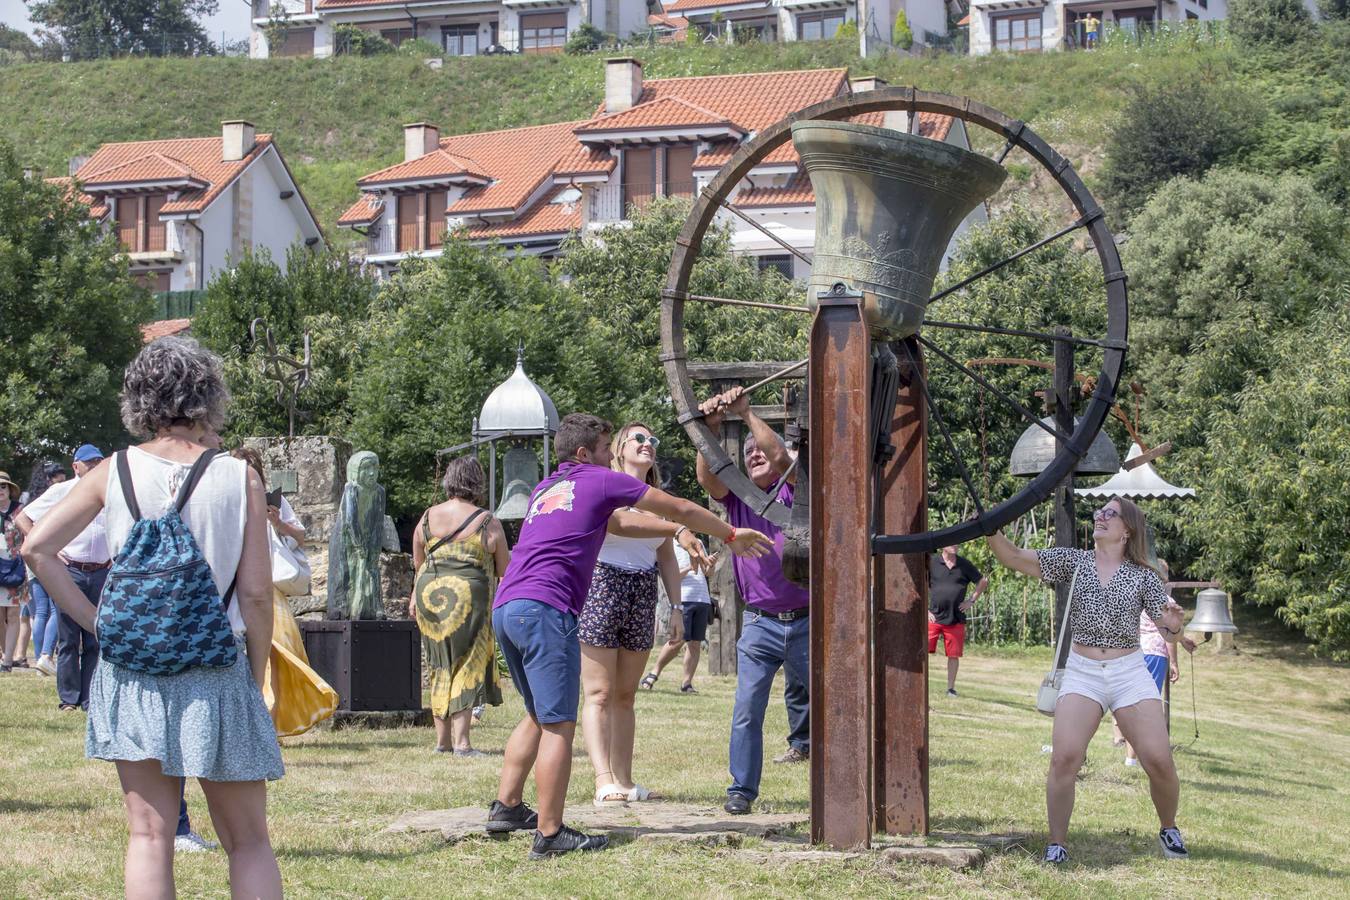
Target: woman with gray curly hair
<point x="202" y="722"/>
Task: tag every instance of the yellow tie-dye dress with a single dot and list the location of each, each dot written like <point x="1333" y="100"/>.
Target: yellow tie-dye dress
<point x="454" y="591"/>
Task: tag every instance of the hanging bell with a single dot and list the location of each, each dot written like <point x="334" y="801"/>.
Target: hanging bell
<point x="520" y="471"/>
<point x="1211" y="614"/>
<point x="515" y="501"/>
<point x="1035" y="450"/>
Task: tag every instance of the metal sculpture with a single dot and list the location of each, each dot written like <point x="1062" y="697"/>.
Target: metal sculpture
<point x="290" y="374"/>
<point x="865" y="453"/>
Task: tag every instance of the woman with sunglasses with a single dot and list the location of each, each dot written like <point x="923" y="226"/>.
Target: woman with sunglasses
<point x="618" y="622"/>
<point x="1112" y="584"/>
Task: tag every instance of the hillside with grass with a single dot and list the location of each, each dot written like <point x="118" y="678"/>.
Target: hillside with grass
<point x="336" y="119"/>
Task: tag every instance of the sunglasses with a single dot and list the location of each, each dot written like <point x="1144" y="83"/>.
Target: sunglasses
<point x="1105" y="514"/>
<point x="641" y="438"/>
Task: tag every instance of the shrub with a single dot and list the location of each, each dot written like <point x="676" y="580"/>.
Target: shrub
<point x="356" y="41"/>
<point x="847" y="33"/>
<point x="902" y="35"/>
<point x="1335" y="9"/>
<point x="1269" y="23"/>
<point x="586" y="39"/>
<point x="421" y="48"/>
<point x="1178" y="128"/>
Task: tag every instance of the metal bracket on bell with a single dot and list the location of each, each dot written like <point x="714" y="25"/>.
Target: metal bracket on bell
<point x="839" y="294"/>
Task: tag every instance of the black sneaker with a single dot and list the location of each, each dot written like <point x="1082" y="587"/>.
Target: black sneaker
<point x="503" y="819"/>
<point x="951" y="692"/>
<point x="1056" y="855"/>
<point x="1173" y="846"/>
<point x="737" y="804"/>
<point x="565" y="841"/>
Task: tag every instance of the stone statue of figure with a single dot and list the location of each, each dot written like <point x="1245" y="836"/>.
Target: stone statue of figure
<point x="355" y="542"/>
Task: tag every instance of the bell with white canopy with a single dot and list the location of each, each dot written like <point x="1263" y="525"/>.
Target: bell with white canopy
<point x="1140" y="482"/>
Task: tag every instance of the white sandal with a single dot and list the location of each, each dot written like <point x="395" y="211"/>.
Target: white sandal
<point x="640" y="794"/>
<point x="603" y="795"/>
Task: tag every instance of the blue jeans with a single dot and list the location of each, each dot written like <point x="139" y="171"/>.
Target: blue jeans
<point x="542" y="653"/>
<point x="766" y="645"/>
<point x="78" y="648"/>
<point x="45" y="619"/>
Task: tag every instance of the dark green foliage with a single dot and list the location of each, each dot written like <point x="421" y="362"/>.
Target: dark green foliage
<point x="1177" y="128"/>
<point x="88" y="29"/>
<point x="352" y="40"/>
<point x="16" y="42"/>
<point x="586" y="39"/>
<point x="1269" y="23"/>
<point x="70" y="319"/>
<point x="1338" y="10"/>
<point x="420" y="49"/>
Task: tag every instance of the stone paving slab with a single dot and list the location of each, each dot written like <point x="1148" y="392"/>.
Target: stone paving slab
<point x="703" y="826"/>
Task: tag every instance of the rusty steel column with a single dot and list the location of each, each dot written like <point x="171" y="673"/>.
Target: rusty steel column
<point x="841" y="570"/>
<point x="900" y="619"/>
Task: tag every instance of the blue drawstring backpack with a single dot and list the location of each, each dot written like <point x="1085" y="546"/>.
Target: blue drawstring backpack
<point x="160" y="613"/>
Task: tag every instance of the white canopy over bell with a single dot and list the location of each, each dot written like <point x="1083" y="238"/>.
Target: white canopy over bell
<point x="517" y="406"/>
<point x="1142" y="482"/>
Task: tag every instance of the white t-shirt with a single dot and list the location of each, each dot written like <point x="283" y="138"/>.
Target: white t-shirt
<point x="630" y="554"/>
<point x="215" y="513"/>
<point x="90" y="545"/>
<point x="693" y="585"/>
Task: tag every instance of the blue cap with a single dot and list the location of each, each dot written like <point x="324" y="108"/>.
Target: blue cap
<point x="87" y="453"/>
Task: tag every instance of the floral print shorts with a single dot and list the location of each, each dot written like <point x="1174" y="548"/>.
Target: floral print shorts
<point x="620" y="609"/>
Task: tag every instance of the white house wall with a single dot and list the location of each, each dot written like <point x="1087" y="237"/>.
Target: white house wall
<point x="216" y="224"/>
<point x="275" y="225"/>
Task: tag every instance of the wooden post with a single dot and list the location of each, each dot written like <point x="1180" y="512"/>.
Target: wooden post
<point x="900" y="621"/>
<point x="841" y="597"/>
<point x="1066" y="534"/>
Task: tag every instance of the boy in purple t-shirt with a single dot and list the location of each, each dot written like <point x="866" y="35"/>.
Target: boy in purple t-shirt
<point x="775" y="632"/>
<point x="535" y="619"/>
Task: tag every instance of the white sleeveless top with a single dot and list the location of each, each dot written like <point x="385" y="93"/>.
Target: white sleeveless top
<point x="631" y="554"/>
<point x="215" y="513"/>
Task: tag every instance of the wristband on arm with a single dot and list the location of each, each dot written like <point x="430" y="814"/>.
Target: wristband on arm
<point x="731" y="537"/>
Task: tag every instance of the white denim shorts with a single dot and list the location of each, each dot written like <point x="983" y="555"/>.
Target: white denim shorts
<point x="1113" y="683"/>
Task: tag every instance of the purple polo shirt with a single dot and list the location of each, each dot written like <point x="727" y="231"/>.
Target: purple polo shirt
<point x="761" y="581"/>
<point x="560" y="539"/>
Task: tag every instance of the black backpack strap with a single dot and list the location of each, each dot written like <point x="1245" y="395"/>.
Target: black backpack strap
<point x="128" y="490"/>
<point x="454" y="534"/>
<point x="229" y="591"/>
<point x="194" y="475"/>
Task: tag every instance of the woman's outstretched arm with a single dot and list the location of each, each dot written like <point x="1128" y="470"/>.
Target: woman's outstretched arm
<point x="1014" y="557"/>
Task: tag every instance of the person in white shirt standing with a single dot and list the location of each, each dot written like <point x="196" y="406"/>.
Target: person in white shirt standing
<point x="87" y="559"/>
<point x="694" y="611"/>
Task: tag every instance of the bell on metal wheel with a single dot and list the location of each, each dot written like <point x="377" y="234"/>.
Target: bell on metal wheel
<point x="1211" y="614"/>
<point x="887" y="205"/>
<point x="521" y="473"/>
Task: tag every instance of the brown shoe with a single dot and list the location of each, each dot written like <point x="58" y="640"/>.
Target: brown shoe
<point x="793" y="755"/>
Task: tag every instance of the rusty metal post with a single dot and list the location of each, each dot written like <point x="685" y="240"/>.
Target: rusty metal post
<point x="1066" y="532"/>
<point x="900" y="619"/>
<point x="841" y="579"/>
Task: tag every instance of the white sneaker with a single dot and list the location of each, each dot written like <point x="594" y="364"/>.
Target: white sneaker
<point x="45" y="665"/>
<point x="1131" y="761"/>
<point x="192" y="842"/>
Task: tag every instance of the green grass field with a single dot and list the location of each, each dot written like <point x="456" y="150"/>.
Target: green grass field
<point x="1263" y="799"/>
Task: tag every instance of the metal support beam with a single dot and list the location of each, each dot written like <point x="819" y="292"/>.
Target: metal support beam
<point x="841" y="502"/>
<point x="900" y="618"/>
<point x="1066" y="530"/>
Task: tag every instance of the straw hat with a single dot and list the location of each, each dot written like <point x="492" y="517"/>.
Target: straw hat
<point x="4" y="479"/>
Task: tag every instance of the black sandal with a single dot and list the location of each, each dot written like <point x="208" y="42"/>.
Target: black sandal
<point x="687" y="689"/>
<point x="649" y="681"/>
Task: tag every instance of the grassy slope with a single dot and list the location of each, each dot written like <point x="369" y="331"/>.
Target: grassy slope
<point x="336" y="119"/>
<point x="1262" y="799"/>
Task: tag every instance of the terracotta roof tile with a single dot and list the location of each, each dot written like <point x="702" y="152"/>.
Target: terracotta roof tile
<point x="518" y="160"/>
<point x="437" y="164"/>
<point x="348" y="4"/>
<point x="201" y="156"/>
<point x="544" y="217"/>
<point x="150" y="167"/>
<point x="583" y="160"/>
<point x="663" y="112"/>
<point x="151" y="331"/>
<point x="363" y="212"/>
<point x="97" y="208"/>
<point x="688" y="6"/>
<point x="797" y="192"/>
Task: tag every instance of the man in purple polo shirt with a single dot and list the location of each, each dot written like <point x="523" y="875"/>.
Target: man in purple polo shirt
<point x="775" y="632"/>
<point x="535" y="619"/>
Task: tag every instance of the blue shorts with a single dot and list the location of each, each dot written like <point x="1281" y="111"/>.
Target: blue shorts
<point x="543" y="656"/>
<point x="1157" y="667"/>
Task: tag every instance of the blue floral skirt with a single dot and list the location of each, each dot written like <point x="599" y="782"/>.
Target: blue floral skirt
<point x="200" y="723"/>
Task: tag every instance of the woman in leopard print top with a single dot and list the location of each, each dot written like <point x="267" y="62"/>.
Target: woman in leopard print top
<point x="1112" y="584"/>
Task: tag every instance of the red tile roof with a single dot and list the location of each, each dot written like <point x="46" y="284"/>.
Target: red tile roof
<point x="348" y="4"/>
<point x="797" y="192"/>
<point x="155" y="330"/>
<point x="363" y="211"/>
<point x="545" y="217"/>
<point x="519" y="160"/>
<point x="151" y="160"/>
<point x="687" y="6"/>
<point x="438" y="163"/>
<point x="97" y="209"/>
<point x="663" y="112"/>
<point x="585" y="160"/>
<point x="149" y="167"/>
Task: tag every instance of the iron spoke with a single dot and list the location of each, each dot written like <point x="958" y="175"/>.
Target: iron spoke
<point x="766" y="232"/>
<point x="946" y="435"/>
<point x="1018" y="332"/>
<point x="978" y="379"/>
<point x="787" y="473"/>
<point x="1067" y="229"/>
<point x="728" y="301"/>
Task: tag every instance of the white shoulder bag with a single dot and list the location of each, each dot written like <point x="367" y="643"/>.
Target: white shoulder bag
<point x="1048" y="695"/>
<point x="290" y="567"/>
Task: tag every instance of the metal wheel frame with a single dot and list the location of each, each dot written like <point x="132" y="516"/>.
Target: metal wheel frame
<point x="1017" y="134"/>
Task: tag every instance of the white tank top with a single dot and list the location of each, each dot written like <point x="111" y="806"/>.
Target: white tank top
<point x="215" y="513"/>
<point x="632" y="554"/>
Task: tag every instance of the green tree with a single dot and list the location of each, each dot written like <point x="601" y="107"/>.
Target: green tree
<point x="357" y="41"/>
<point x="15" y="42"/>
<point x="1182" y="127"/>
<point x="586" y="39"/>
<point x="277" y="29"/>
<point x="1269" y="23"/>
<point x="70" y="318"/>
<point x="902" y="35"/>
<point x="319" y="293"/>
<point x="88" y="29"/>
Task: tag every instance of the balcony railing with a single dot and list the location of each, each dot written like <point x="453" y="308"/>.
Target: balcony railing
<point x="380" y="240"/>
<point x="608" y="201"/>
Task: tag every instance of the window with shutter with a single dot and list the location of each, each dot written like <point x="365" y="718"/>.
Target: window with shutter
<point x="407" y="222"/>
<point x="436" y="202"/>
<point x="679" y="177"/>
<point x="543" y="32"/>
<point x="128" y="215"/>
<point x="639" y="177"/>
<point x="155" y="230"/>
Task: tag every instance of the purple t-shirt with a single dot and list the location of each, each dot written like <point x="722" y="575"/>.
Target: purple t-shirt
<point x="560" y="539"/>
<point x="761" y="581"/>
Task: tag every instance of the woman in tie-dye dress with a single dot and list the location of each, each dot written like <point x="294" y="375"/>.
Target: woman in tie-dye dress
<point x="459" y="550"/>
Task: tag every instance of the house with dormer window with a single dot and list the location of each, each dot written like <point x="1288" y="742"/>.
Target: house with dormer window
<point x="183" y="208"/>
<point x="531" y="188"/>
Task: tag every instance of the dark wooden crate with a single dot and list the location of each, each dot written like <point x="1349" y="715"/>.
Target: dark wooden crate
<point x="373" y="665"/>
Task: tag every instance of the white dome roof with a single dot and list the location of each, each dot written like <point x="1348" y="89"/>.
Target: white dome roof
<point x="1141" y="481"/>
<point x="518" y="404"/>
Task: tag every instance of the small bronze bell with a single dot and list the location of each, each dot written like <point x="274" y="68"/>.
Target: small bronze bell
<point x="1211" y="614"/>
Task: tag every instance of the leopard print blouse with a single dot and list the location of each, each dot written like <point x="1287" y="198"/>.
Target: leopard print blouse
<point x="1104" y="616"/>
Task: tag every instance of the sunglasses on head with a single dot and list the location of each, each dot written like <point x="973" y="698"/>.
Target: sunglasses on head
<point x="641" y="438"/>
<point x="1105" y="514"/>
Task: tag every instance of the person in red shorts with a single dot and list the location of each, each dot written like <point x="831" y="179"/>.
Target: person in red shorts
<point x="949" y="576"/>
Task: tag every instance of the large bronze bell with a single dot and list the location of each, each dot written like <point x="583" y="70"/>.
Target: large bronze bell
<point x="1035" y="450"/>
<point x="887" y="205"/>
<point x="1211" y="614"/>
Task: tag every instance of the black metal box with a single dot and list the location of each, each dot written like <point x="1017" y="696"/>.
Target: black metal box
<point x="374" y="665"/>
